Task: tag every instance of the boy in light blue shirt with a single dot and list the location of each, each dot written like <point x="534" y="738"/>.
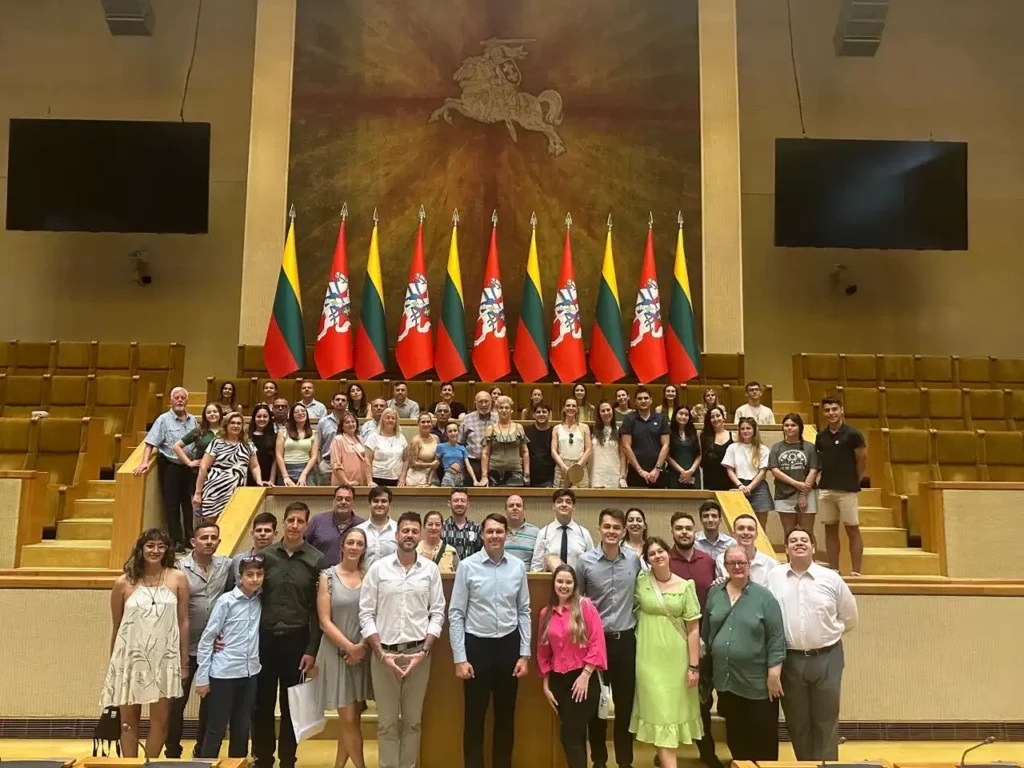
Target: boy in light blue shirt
<point x="228" y="676"/>
<point x="454" y="459"/>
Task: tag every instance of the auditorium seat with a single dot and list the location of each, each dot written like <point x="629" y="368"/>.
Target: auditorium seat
<point x="944" y="409"/>
<point x="973" y="372"/>
<point x="324" y="388"/>
<point x="907" y="457"/>
<point x="898" y="371"/>
<point x="722" y="368"/>
<point x="163" y="365"/>
<point x="988" y="409"/>
<point x="5" y="355"/>
<point x="692" y="394"/>
<point x="31" y="357"/>
<point x="62" y="444"/>
<point x="1008" y="373"/>
<point x="813" y="374"/>
<point x="957" y="456"/>
<point x="861" y="370"/>
<point x="18" y="443"/>
<point x="934" y="371"/>
<point x="247" y="392"/>
<point x="75" y="358"/>
<point x="1017" y="408"/>
<point x="422" y="392"/>
<point x="523" y="390"/>
<point x="119" y="401"/>
<point x="68" y="397"/>
<point x="20" y="395"/>
<point x="250" y="363"/>
<point x="903" y="408"/>
<point x="862" y="406"/>
<point x="115" y="358"/>
<point x="1004" y="456"/>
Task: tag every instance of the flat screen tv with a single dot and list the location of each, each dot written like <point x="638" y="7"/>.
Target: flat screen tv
<point x="108" y="176"/>
<point x="852" y="193"/>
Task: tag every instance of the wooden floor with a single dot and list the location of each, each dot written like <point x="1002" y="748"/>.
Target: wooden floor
<point x="319" y="753"/>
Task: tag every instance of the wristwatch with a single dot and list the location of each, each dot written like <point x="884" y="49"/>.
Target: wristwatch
<point x="694" y="668"/>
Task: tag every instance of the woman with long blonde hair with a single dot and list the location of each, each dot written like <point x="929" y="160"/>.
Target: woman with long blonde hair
<point x="746" y="464"/>
<point x="571" y="647"/>
<point x="570" y="445"/>
<point x="420" y="462"/>
<point x="387" y="447"/>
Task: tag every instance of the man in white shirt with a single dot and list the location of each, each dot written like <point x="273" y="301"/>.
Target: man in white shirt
<point x="753" y="409"/>
<point x="406" y="408"/>
<point x="380" y="529"/>
<point x="817" y="610"/>
<point x="745" y="528"/>
<point x="370" y="425"/>
<point x="401" y="613"/>
<point x="561" y="541"/>
<point x="314" y="407"/>
<point x="711" y="541"/>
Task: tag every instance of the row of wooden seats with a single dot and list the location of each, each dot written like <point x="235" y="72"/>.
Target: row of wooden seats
<point x="163" y="365"/>
<point x="925" y="408"/>
<point x="119" y="402"/>
<point x="715" y="368"/>
<point x="249" y="391"/>
<point x="66" y="448"/>
<point x="814" y="374"/>
<point x="899" y="460"/>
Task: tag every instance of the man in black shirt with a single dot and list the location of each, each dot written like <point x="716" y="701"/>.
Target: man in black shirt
<point x="289" y="632"/>
<point x="644" y="438"/>
<point x="844" y="461"/>
<point x="542" y="463"/>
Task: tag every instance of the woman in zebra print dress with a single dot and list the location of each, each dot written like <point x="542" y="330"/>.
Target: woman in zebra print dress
<point x="223" y="469"/>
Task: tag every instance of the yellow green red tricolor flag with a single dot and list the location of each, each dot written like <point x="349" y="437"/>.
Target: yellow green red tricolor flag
<point x="284" y="350"/>
<point x="681" y="339"/>
<point x="607" y="347"/>
<point x="451" y="353"/>
<point x="531" y="351"/>
<point x="372" y="336"/>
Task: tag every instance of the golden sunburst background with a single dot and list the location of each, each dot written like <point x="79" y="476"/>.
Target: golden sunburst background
<point x="368" y="76"/>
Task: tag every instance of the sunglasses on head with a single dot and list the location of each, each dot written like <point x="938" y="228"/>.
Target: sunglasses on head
<point x="252" y="559"/>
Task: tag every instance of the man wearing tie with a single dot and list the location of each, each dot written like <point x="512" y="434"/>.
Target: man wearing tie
<point x="817" y="610"/>
<point x="489" y="625"/>
<point x="562" y="540"/>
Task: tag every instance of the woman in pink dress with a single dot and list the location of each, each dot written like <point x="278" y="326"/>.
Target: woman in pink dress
<point x="350" y="461"/>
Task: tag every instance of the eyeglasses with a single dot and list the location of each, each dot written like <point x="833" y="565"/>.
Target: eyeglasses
<point x="737" y="564"/>
<point x="252" y="559"/>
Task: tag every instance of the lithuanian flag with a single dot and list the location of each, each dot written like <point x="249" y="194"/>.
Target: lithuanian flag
<point x="681" y="341"/>
<point x="531" y="350"/>
<point x="284" y="350"/>
<point x="607" y="348"/>
<point x="372" y="336"/>
<point x="451" y="353"/>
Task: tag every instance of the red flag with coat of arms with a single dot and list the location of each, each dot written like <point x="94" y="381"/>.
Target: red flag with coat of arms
<point x="647" y="344"/>
<point x="567" y="355"/>
<point x="414" y="350"/>
<point x="333" y="352"/>
<point x="490" y="345"/>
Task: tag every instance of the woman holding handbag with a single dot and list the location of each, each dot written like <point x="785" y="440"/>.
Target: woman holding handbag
<point x="433" y="547"/>
<point x="666" y="705"/>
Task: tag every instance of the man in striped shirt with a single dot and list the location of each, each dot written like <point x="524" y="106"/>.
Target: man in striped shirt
<point x="522" y="536"/>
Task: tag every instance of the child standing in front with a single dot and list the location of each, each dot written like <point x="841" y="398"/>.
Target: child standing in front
<point x="454" y="459"/>
<point x="228" y="677"/>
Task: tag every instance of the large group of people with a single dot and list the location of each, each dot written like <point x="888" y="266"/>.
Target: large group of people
<point x="666" y="627"/>
<point x="625" y="444"/>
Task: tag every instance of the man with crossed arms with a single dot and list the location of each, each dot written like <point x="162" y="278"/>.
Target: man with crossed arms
<point x="489" y="626"/>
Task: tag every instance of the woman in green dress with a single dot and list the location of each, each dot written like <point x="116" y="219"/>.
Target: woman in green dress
<point x="666" y="707"/>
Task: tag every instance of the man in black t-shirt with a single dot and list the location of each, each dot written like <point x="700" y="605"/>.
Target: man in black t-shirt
<point x="844" y="461"/>
<point x="542" y="464"/>
<point x="644" y="438"/>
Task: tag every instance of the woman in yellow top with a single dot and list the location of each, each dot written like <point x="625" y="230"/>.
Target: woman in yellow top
<point x="433" y="547"/>
<point x="298" y="448"/>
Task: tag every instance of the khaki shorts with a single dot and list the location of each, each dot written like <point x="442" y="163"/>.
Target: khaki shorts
<point x="788" y="506"/>
<point x="837" y="506"/>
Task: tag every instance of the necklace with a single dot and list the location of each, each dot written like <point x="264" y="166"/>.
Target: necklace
<point x="663" y="581"/>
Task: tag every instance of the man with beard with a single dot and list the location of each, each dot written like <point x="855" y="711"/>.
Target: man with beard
<point x="401" y="613"/>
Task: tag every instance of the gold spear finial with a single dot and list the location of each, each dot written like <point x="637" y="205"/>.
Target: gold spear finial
<point x="609" y="222"/>
<point x="375" y="219"/>
<point x="423" y="214"/>
<point x="533" y="219"/>
<point x="455" y="218"/>
<point x="679" y="218"/>
<point x="291" y="213"/>
<point x="568" y="221"/>
<point x="494" y="217"/>
<point x="650" y="220"/>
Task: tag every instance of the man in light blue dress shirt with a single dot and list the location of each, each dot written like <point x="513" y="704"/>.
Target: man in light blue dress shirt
<point x="711" y="541"/>
<point x="489" y="629"/>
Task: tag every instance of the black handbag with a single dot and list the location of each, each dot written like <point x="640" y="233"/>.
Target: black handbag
<point x="107" y="732"/>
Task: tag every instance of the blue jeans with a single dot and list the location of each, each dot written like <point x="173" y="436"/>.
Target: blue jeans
<point x="230" y="702"/>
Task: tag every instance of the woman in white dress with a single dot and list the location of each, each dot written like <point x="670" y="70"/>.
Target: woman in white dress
<point x="149" y="644"/>
<point x="570" y="445"/>
<point x="607" y="464"/>
<point x="387" y="447"/>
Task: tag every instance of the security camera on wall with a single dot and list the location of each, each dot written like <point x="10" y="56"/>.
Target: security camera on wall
<point x="841" y="281"/>
<point x="143" y="277"/>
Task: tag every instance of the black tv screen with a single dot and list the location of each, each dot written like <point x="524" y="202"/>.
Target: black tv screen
<point x="108" y="176"/>
<point x="846" y="193"/>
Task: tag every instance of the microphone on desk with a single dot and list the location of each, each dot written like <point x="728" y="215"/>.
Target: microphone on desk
<point x="839" y="743"/>
<point x="984" y="742"/>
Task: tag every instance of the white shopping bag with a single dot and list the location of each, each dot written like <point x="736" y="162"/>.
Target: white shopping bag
<point x="306" y="709"/>
<point x="604" y="703"/>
